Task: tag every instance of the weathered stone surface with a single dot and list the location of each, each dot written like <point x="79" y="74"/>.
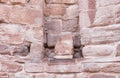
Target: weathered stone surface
<point x="118" y="50"/>
<point x="4" y="13"/>
<point x="70" y="25"/>
<point x="71" y="12"/>
<point x="65" y="76"/>
<point x="102" y="76"/>
<point x="117" y="14"/>
<point x="62" y="1"/>
<point x="11" y="33"/>
<point x="4" y="49"/>
<point x="101" y="67"/>
<point x="100" y="35"/>
<point x="10" y="67"/>
<point x="87" y="5"/>
<point x="18" y="1"/>
<point x="34" y="33"/>
<point x="104" y="17"/>
<point x="54" y="26"/>
<point x="22" y="75"/>
<point x="55" y="10"/>
<point x="64" y="68"/>
<point x="64" y="45"/>
<point x="22" y="15"/>
<point x="98" y="50"/>
<point x="86" y="18"/>
<point x="45" y="75"/>
<point x="52" y="39"/>
<point x="35" y="67"/>
<point x="107" y="3"/>
<point x="36" y="50"/>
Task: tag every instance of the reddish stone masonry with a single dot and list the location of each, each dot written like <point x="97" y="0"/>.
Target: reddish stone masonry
<point x="59" y="38"/>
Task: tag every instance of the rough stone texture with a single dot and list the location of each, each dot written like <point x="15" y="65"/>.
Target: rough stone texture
<point x="30" y="33"/>
<point x="64" y="46"/>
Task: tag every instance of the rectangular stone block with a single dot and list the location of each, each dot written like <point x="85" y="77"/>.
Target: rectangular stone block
<point x="100" y="35"/>
<point x="62" y="1"/>
<point x="4" y="13"/>
<point x="22" y="15"/>
<point x="55" y="10"/>
<point x="104" y="16"/>
<point x="45" y="75"/>
<point x="71" y="12"/>
<point x="36" y="51"/>
<point x="11" y="33"/>
<point x="70" y="25"/>
<point x="98" y="51"/>
<point x="107" y="3"/>
<point x="12" y="67"/>
<point x="101" y="67"/>
<point x="64" y="68"/>
<point x="18" y="1"/>
<point x="53" y="26"/>
<point x="65" y="76"/>
<point x="35" y="67"/>
<point x="102" y="76"/>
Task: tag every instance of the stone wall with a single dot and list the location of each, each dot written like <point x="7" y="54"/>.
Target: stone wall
<point x="30" y="31"/>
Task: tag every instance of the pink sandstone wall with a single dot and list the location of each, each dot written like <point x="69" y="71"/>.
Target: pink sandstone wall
<point x="30" y="29"/>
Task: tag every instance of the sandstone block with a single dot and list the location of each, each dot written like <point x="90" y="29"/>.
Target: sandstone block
<point x="11" y="33"/>
<point x="64" y="68"/>
<point x="100" y="35"/>
<point x="18" y="1"/>
<point x="64" y="46"/>
<point x="104" y="17"/>
<point x="65" y="76"/>
<point x="22" y="75"/>
<point x="34" y="34"/>
<point x="4" y="49"/>
<point x="11" y="67"/>
<point x="37" y="2"/>
<point x="70" y="25"/>
<point x="62" y="1"/>
<point x="103" y="67"/>
<point x="98" y="50"/>
<point x="107" y="3"/>
<point x="4" y="13"/>
<point x="22" y="15"/>
<point x="55" y="10"/>
<point x="36" y="51"/>
<point x="45" y="75"/>
<point x="54" y="26"/>
<point x="102" y="76"/>
<point x="35" y="67"/>
<point x="71" y="12"/>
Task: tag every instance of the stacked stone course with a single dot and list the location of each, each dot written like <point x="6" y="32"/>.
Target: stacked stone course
<point x="30" y="31"/>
